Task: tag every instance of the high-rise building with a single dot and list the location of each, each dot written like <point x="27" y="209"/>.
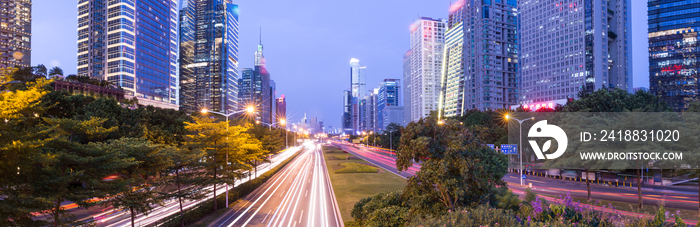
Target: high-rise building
<point x="16" y="26"/>
<point x="133" y="46"/>
<point x="489" y="57"/>
<point x="209" y="56"/>
<point x="388" y="96"/>
<point x="674" y="51"/>
<point x="368" y="111"/>
<point x="572" y="46"/>
<point x="346" y="117"/>
<point x="407" y="87"/>
<point x="357" y="85"/>
<point x="453" y="83"/>
<point x="427" y="42"/>
<point x="281" y="107"/>
<point x="257" y="89"/>
<point x="272" y="103"/>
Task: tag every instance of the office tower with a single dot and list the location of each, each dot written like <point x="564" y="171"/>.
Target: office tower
<point x="388" y="96"/>
<point x="357" y="85"/>
<point x="256" y="89"/>
<point x="209" y="56"/>
<point x="133" y="46"/>
<point x="368" y="111"/>
<point x="673" y="51"/>
<point x="572" y="46"/>
<point x="407" y="87"/>
<point x="346" y="117"/>
<point x="490" y="57"/>
<point x="313" y="126"/>
<point x="16" y="27"/>
<point x="452" y="95"/>
<point x="281" y="107"/>
<point x="427" y="41"/>
<point x="271" y="102"/>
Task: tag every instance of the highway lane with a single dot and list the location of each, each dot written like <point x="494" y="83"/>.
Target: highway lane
<point x="107" y="216"/>
<point x="547" y="186"/>
<point x="299" y="195"/>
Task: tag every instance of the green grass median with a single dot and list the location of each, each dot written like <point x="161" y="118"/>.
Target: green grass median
<point x="354" y="179"/>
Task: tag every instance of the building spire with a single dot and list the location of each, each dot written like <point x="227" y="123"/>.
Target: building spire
<point x="260" y="35"/>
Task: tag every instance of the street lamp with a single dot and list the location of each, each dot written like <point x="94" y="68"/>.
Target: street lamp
<point x="391" y="142"/>
<point x="520" y="123"/>
<point x="249" y="110"/>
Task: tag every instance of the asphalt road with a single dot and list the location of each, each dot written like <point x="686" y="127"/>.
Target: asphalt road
<point x="299" y="195"/>
<point x="679" y="199"/>
<point x="109" y="217"/>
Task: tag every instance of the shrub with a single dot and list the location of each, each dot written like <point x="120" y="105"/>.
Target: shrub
<point x="483" y="215"/>
<point x="383" y="209"/>
<point x="356" y="168"/>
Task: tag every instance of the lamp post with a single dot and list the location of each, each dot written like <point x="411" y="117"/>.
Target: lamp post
<point x="520" y="123"/>
<point x="391" y="142"/>
<point x="249" y="109"/>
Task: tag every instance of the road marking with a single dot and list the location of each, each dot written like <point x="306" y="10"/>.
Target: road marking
<point x="298" y="181"/>
<point x="281" y="194"/>
<point x="295" y="224"/>
<point x="268" y="213"/>
<point x="306" y="193"/>
<point x="301" y="215"/>
<point x="256" y="201"/>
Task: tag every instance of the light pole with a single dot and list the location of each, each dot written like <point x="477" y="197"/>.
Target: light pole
<point x="391" y="142"/>
<point x="249" y="109"/>
<point x="520" y="123"/>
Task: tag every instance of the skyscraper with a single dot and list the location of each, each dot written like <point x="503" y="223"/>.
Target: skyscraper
<point x="16" y="24"/>
<point x="489" y="57"/>
<point x="209" y="56"/>
<point x="368" y="112"/>
<point x="572" y="46"/>
<point x="388" y="96"/>
<point x="452" y="83"/>
<point x="257" y="89"/>
<point x="427" y="42"/>
<point x="357" y="85"/>
<point x="131" y="45"/>
<point x="407" y="87"/>
<point x="346" y="117"/>
<point x="674" y="51"/>
<point x="281" y="107"/>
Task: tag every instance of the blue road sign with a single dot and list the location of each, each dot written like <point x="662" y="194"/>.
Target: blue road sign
<point x="524" y="176"/>
<point x="493" y="147"/>
<point x="509" y="148"/>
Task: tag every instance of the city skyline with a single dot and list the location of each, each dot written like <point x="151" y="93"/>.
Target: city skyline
<point x="379" y="44"/>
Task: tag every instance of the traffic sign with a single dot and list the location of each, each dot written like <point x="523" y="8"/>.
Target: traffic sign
<point x="524" y="176"/>
<point x="509" y="148"/>
<point x="493" y="147"/>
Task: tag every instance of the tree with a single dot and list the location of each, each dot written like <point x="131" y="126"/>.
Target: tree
<point x="227" y="150"/>
<point x="611" y="101"/>
<point x="41" y="70"/>
<point x="55" y="71"/>
<point x="149" y="160"/>
<point x="72" y="163"/>
<point x="18" y="120"/>
<point x="457" y="169"/>
<point x="185" y="167"/>
<point x="382" y="209"/>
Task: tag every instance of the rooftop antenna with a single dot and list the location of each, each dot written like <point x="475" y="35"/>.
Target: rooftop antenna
<point x="261" y="35"/>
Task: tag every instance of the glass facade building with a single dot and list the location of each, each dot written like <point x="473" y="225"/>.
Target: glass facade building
<point x="407" y="87"/>
<point x="16" y="30"/>
<point x="209" y="56"/>
<point x="452" y="82"/>
<point x="388" y="96"/>
<point x="572" y="46"/>
<point x="673" y="50"/>
<point x="346" y="118"/>
<point x="132" y="44"/>
<point x="257" y="89"/>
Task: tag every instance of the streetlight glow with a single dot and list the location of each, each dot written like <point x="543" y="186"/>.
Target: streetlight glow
<point x="205" y="111"/>
<point x="250" y="109"/>
<point x="283" y="122"/>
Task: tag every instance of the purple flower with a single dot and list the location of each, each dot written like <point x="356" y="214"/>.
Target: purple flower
<point x="537" y="205"/>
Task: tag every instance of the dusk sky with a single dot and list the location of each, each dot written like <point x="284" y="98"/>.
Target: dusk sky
<point x="308" y="44"/>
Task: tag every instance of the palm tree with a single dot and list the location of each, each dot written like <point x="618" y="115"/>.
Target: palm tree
<point x="56" y="71"/>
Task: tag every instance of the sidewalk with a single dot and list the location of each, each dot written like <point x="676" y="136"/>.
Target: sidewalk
<point x="622" y="185"/>
<point x="519" y="190"/>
